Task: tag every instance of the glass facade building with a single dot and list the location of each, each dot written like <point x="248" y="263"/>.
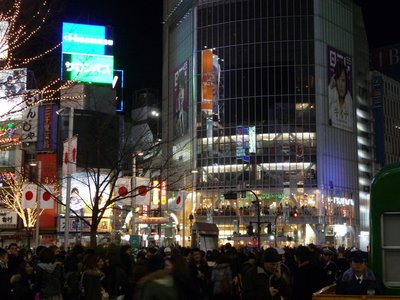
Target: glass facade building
<point x="249" y="91"/>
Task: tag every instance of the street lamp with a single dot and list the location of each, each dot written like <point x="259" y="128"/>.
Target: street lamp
<point x="70" y="159"/>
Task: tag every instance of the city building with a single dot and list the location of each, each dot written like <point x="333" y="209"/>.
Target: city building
<point x="386" y="106"/>
<point x="269" y="100"/>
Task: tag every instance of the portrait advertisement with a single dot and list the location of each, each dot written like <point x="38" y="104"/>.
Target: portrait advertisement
<point x="340" y="90"/>
<point x="180" y="100"/>
<point x="82" y="195"/>
<point x="12" y="88"/>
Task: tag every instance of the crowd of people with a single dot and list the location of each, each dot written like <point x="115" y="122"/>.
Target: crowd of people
<point x="177" y="273"/>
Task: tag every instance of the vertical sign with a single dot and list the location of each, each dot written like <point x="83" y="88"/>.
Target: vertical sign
<point x="207" y="81"/>
<point x="180" y="98"/>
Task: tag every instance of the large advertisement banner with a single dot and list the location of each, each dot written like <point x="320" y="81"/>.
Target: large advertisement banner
<point x="181" y="99"/>
<point x="341" y="110"/>
<point x="87" y="53"/>
<point x="207" y="81"/>
<point x="12" y="87"/>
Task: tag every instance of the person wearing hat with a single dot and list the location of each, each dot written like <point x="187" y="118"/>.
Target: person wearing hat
<point x="359" y="279"/>
<point x="329" y="270"/>
<point x="268" y="280"/>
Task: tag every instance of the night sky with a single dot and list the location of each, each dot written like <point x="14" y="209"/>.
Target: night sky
<point x="137" y="36"/>
<point x="138" y="33"/>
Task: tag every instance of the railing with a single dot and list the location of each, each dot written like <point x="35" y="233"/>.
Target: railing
<point x="329" y="293"/>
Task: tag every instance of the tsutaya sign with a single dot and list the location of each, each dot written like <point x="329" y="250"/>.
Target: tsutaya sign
<point x="87" y="53"/>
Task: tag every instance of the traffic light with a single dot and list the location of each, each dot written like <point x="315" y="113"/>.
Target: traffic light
<point x="250" y="229"/>
<point x="295" y="214"/>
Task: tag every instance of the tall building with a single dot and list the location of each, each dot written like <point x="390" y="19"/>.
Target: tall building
<point x="269" y="99"/>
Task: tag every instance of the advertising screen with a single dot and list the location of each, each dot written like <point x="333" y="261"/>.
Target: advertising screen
<point x="340" y="89"/>
<point x="12" y="87"/>
<point x="87" y="53"/>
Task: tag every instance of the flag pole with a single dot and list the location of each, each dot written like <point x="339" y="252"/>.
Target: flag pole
<point x="37" y="235"/>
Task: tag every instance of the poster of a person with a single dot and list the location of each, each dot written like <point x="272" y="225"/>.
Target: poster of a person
<point x="181" y="99"/>
<point x="340" y="90"/>
<point x="76" y="204"/>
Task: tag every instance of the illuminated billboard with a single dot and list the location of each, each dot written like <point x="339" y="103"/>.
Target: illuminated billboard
<point x="12" y="88"/>
<point x="340" y="89"/>
<point x="3" y="40"/>
<point x="87" y="53"/>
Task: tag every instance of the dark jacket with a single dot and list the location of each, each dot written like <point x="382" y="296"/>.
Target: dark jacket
<point x="5" y="286"/>
<point x="49" y="279"/>
<point x="23" y="287"/>
<point x="257" y="281"/>
<point x="347" y="284"/>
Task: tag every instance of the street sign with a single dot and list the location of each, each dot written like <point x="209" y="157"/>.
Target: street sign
<point x="134" y="241"/>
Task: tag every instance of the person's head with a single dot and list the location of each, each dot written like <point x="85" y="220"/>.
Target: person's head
<point x="100" y="263"/>
<point x="167" y="251"/>
<point x="196" y="255"/>
<point x="10" y="79"/>
<point x="341" y="79"/>
<point x="90" y="261"/>
<point x="168" y="265"/>
<point x="3" y="255"/>
<point x="271" y="259"/>
<point x="75" y="193"/>
<point x="358" y="262"/>
<point x="327" y="254"/>
<point x="26" y="268"/>
<point x="13" y="249"/>
<point x="302" y="254"/>
<point x="47" y="256"/>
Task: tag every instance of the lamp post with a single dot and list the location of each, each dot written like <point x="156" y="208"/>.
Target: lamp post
<point x="133" y="202"/>
<point x="69" y="170"/>
<point x="37" y="164"/>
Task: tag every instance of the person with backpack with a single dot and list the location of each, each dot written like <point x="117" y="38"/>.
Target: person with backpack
<point x="49" y="276"/>
<point x="221" y="278"/>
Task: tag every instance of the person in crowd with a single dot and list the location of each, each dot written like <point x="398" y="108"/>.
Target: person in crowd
<point x="91" y="276"/>
<point x="23" y="283"/>
<point x="248" y="283"/>
<point x="49" y="276"/>
<point x="342" y="262"/>
<point x="116" y="278"/>
<point x="307" y="275"/>
<point x="173" y="282"/>
<point x="154" y="261"/>
<point x="14" y="258"/>
<point x="5" y="287"/>
<point x="200" y="273"/>
<point x="359" y="279"/>
<point x="267" y="281"/>
<point x="221" y="278"/>
<point x="72" y="268"/>
<point x="329" y="267"/>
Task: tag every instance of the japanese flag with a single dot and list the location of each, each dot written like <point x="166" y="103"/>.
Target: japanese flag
<point x="29" y="194"/>
<point x="46" y="199"/>
<point x="142" y="191"/>
<point x="123" y="189"/>
<point x="177" y="203"/>
<point x="74" y="146"/>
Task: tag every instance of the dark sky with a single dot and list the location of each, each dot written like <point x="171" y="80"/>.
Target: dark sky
<point x="382" y="21"/>
<point x="137" y="36"/>
<point x="138" y="33"/>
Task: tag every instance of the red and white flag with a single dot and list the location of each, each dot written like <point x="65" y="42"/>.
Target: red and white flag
<point x="177" y="204"/>
<point x="142" y="191"/>
<point x="123" y="189"/>
<point x="29" y="195"/>
<point x="74" y="146"/>
<point x="46" y="199"/>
